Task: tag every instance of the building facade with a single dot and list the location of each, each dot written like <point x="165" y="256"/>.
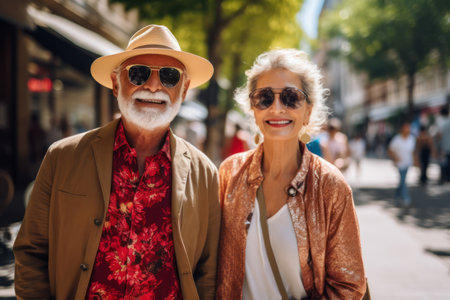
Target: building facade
<point x="46" y="90"/>
<point x="376" y="107"/>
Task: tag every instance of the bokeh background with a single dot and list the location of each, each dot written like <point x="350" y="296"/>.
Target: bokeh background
<point x="381" y="59"/>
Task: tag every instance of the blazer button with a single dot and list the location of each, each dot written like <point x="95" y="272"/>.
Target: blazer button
<point x="83" y="267"/>
<point x="97" y="222"/>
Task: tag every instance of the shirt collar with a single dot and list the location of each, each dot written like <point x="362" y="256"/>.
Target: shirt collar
<point x="121" y="141"/>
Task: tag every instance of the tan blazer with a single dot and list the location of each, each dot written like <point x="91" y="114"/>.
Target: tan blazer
<point x="57" y="244"/>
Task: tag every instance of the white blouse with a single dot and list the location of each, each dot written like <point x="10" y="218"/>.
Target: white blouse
<point x="259" y="282"/>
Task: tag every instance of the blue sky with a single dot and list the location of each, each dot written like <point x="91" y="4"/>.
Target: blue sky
<point x="309" y="15"/>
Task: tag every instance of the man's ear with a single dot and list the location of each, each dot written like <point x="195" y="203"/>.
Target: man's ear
<point x="115" y="85"/>
<point x="185" y="88"/>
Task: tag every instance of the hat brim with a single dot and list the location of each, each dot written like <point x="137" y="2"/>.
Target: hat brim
<point x="198" y="69"/>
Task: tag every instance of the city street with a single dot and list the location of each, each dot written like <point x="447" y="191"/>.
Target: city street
<point x="406" y="252"/>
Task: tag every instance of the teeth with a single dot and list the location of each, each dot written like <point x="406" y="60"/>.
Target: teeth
<point x="150" y="101"/>
<point x="279" y="122"/>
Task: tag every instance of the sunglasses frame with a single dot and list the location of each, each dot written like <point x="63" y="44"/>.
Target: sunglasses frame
<point x="153" y="68"/>
<point x="281" y="90"/>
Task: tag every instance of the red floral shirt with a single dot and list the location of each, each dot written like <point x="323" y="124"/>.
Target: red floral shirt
<point x="136" y="257"/>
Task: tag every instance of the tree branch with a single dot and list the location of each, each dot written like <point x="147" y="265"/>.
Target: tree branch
<point x="237" y="13"/>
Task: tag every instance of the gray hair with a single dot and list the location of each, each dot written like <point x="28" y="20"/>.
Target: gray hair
<point x="297" y="62"/>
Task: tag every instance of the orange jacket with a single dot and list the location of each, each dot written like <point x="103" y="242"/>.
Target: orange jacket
<point x="324" y="220"/>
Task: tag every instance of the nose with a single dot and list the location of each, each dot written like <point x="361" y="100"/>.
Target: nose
<point x="153" y="83"/>
<point x="277" y="105"/>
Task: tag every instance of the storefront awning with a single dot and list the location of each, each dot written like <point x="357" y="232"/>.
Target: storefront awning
<point x="383" y="112"/>
<point x="193" y="111"/>
<point x="75" y="44"/>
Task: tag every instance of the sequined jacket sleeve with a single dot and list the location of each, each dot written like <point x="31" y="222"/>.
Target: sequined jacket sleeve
<point x="333" y="236"/>
<point x="324" y="222"/>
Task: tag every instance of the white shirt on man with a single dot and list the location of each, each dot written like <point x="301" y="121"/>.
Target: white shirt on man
<point x="403" y="147"/>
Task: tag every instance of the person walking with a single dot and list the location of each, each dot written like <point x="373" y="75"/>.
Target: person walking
<point x="289" y="227"/>
<point x="357" y="147"/>
<point x="336" y="145"/>
<point x="444" y="137"/>
<point x="237" y="143"/>
<point x="128" y="210"/>
<point x="423" y="152"/>
<point x="401" y="150"/>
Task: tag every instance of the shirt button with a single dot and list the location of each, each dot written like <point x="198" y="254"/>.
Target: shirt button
<point x="97" y="222"/>
<point x="83" y="267"/>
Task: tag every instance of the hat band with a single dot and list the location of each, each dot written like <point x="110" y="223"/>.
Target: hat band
<point x="153" y="46"/>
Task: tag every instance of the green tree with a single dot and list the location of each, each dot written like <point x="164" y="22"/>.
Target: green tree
<point x="230" y="33"/>
<point x="388" y="38"/>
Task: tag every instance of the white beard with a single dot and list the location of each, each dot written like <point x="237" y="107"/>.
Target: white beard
<point x="148" y="118"/>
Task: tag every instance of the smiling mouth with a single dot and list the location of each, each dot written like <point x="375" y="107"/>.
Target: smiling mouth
<point x="282" y="122"/>
<point x="150" y="101"/>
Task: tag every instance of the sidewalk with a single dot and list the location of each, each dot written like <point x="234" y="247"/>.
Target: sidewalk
<point x="397" y="265"/>
<point x="398" y="245"/>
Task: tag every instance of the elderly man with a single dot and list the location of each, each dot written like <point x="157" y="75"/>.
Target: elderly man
<point x="128" y="210"/>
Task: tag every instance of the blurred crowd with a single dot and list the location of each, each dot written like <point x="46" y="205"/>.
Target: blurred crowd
<point x="431" y="144"/>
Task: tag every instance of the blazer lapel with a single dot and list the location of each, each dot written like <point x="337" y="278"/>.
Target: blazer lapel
<point x="180" y="171"/>
<point x="102" y="148"/>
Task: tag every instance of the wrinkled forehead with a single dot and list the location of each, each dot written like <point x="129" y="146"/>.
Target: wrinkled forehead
<point x="156" y="60"/>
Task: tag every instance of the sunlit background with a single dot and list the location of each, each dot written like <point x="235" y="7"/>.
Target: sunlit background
<point x="382" y="60"/>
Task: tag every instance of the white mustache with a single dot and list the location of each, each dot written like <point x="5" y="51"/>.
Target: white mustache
<point x="143" y="94"/>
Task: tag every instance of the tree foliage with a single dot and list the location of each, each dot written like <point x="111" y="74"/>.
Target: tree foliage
<point x="248" y="27"/>
<point x="388" y="38"/>
<point x="230" y="33"/>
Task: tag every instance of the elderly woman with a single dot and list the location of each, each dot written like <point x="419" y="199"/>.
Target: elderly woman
<point x="281" y="194"/>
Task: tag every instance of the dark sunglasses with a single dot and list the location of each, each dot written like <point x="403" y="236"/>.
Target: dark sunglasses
<point x="139" y="74"/>
<point x="291" y="97"/>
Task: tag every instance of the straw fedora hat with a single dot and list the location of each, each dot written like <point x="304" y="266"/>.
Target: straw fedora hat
<point x="153" y="39"/>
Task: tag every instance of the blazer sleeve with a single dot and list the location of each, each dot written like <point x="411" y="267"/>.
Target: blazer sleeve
<point x="345" y="277"/>
<point x="205" y="273"/>
<point x="31" y="245"/>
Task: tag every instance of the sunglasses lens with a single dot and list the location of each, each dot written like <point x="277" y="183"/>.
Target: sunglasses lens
<point x="263" y="99"/>
<point x="138" y="75"/>
<point x="169" y="77"/>
<point x="291" y="98"/>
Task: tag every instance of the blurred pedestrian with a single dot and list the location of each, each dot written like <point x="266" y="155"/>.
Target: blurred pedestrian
<point x="36" y="139"/>
<point x="317" y="143"/>
<point x="423" y="152"/>
<point x="401" y="149"/>
<point x="444" y="137"/>
<point x="357" y="147"/>
<point x="237" y="143"/>
<point x="289" y="226"/>
<point x="337" y="150"/>
<point x="128" y="210"/>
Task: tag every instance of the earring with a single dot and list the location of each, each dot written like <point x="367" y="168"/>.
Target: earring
<point x="257" y="138"/>
<point x="305" y="138"/>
